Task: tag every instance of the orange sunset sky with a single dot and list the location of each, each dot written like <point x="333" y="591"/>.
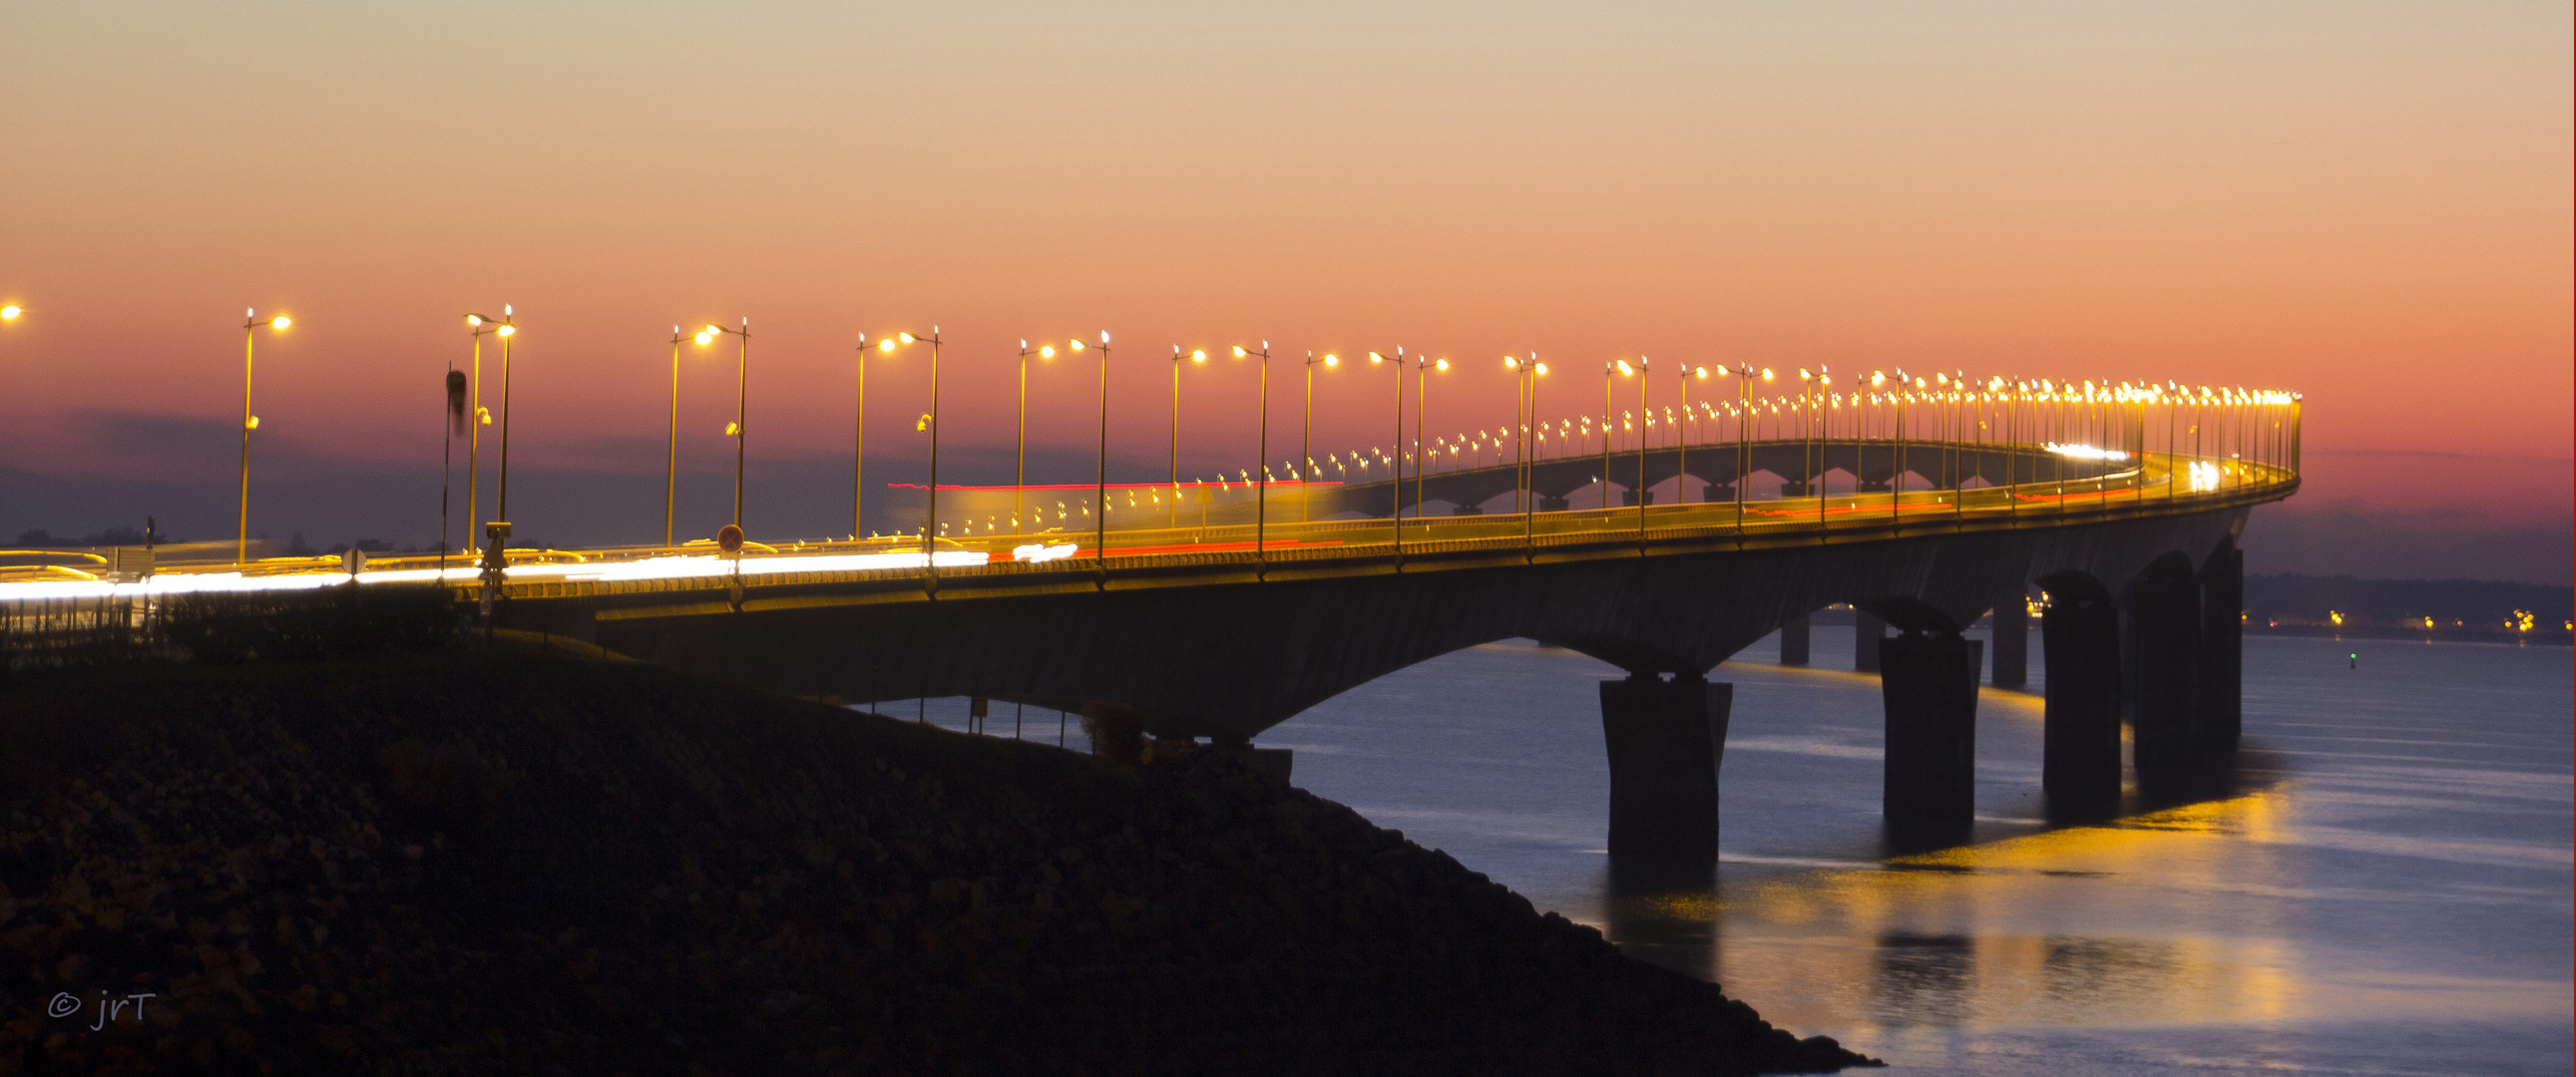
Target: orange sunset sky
<point x="2366" y="202"/>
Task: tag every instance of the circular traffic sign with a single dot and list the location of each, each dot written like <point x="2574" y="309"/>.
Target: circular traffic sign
<point x="730" y="539"/>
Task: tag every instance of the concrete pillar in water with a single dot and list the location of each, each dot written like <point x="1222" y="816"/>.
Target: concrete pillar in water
<point x="1793" y="641"/>
<point x="2080" y="749"/>
<point x="1866" y="632"/>
<point x="1666" y="739"/>
<point x="2166" y="617"/>
<point x="1929" y="682"/>
<point x="2222" y="651"/>
<point x="2011" y="648"/>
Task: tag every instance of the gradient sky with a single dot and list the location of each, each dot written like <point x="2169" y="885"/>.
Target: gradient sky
<point x="2367" y="202"/>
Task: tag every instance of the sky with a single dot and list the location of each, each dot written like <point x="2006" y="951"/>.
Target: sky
<point x="2368" y="203"/>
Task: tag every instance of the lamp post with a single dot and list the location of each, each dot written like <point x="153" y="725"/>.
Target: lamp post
<point x="501" y="504"/>
<point x="671" y="456"/>
<point x="1395" y="471"/>
<point x="250" y="422"/>
<point x="1020" y="457"/>
<point x="859" y="448"/>
<point x="1261" y="491"/>
<point x="1608" y="370"/>
<point x="1528" y="371"/>
<point x="1422" y="365"/>
<point x="1196" y="356"/>
<point x="481" y="325"/>
<point x="1645" y="417"/>
<point x="930" y="525"/>
<point x="1306" y="439"/>
<point x="1681" y="436"/>
<point x="1100" y="523"/>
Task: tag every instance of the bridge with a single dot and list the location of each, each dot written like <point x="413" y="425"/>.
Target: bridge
<point x="1220" y="609"/>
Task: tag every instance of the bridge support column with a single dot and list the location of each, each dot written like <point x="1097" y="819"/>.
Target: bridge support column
<point x="1666" y="739"/>
<point x="1793" y="641"/>
<point x="2011" y="648"/>
<point x="1929" y="682"/>
<point x="1867" y="631"/>
<point x="2167" y="617"/>
<point x="2222" y="651"/>
<point x="2080" y="747"/>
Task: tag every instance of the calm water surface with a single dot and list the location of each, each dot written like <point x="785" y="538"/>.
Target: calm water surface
<point x="2382" y="888"/>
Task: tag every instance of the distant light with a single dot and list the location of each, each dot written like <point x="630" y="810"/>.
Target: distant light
<point x="1047" y="351"/>
<point x="704" y="338"/>
<point x="506" y="330"/>
<point x="1238" y="351"/>
<point x="473" y="319"/>
<point x="10" y="311"/>
<point x="1331" y="359"/>
<point x="1542" y="368"/>
<point x="1198" y="355"/>
<point x="252" y="424"/>
<point x="885" y="345"/>
<point x="906" y="337"/>
<point x="280" y="322"/>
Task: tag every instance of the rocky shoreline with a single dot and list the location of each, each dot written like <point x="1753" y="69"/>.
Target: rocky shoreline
<point x="527" y="862"/>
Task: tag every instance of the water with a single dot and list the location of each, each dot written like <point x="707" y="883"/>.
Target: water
<point x="2384" y="889"/>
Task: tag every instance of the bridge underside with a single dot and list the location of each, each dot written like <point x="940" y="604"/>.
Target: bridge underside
<point x="1230" y="659"/>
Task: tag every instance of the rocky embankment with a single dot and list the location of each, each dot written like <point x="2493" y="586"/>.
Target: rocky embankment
<point x="452" y="862"/>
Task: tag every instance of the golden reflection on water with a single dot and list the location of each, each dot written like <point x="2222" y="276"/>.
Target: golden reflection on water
<point x="2010" y="932"/>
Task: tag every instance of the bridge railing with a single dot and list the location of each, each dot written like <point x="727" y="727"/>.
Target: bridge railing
<point x="1994" y="456"/>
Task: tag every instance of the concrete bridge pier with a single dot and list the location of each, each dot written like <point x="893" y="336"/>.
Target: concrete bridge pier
<point x="2011" y="649"/>
<point x="2222" y="652"/>
<point x="1793" y="641"/>
<point x="2165" y="612"/>
<point x="1867" y="631"/>
<point x="1666" y="739"/>
<point x="2080" y="749"/>
<point x="1929" y="682"/>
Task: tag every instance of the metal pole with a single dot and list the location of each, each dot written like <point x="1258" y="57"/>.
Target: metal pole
<point x="474" y="449"/>
<point x="1261" y="493"/>
<point x="1645" y="419"/>
<point x="859" y="449"/>
<point x="741" y="413"/>
<point x="671" y="463"/>
<point x="502" y="507"/>
<point x="1020" y="455"/>
<point x="1176" y="437"/>
<point x="241" y="536"/>
<point x="1100" y="523"/>
<point x="930" y="526"/>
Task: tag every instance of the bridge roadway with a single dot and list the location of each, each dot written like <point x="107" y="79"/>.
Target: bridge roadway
<point x="1195" y="632"/>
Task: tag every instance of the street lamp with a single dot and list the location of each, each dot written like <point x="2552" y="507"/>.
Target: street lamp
<point x="481" y="325"/>
<point x="1306" y="440"/>
<point x="1100" y="492"/>
<point x="859" y="448"/>
<point x="250" y="422"/>
<point x="1020" y="466"/>
<point x="1198" y="355"/>
<point x="1395" y="470"/>
<point x="671" y="459"/>
<point x="741" y="405"/>
<point x="930" y="527"/>
<point x="1681" y="436"/>
<point x="1528" y="372"/>
<point x="1261" y="491"/>
<point x="1422" y="365"/>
